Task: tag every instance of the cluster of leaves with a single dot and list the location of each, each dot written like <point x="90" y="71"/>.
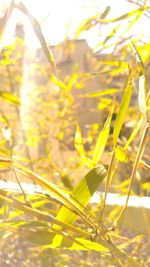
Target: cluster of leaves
<point x="53" y="217"/>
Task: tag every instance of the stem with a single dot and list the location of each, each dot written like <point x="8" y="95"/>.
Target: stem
<point x="108" y="181"/>
<point x="137" y="160"/>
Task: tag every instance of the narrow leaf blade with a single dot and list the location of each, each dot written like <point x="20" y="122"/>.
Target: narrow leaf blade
<point x="78" y="141"/>
<point x="102" y="140"/>
<point x="122" y="110"/>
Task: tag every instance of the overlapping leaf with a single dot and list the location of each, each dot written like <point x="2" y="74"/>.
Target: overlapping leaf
<point x="45" y="238"/>
<point x="83" y="192"/>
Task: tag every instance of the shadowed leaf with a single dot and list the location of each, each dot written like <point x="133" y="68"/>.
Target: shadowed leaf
<point x="45" y="238"/>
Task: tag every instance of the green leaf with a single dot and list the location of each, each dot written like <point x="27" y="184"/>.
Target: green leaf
<point x="45" y="238"/>
<point x="102" y="140"/>
<point x="83" y="192"/>
<point x="9" y="97"/>
<point x="120" y="154"/>
<point x="122" y="110"/>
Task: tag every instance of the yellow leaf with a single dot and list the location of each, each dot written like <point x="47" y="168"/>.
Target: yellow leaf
<point x="102" y="140"/>
<point x="122" y="110"/>
<point x="120" y="154"/>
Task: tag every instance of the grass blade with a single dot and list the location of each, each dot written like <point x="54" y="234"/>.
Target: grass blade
<point x="102" y="139"/>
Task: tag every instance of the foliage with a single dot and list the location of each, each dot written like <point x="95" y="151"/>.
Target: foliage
<point x="39" y="134"/>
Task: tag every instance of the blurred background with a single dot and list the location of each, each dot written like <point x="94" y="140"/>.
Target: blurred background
<point x="91" y="45"/>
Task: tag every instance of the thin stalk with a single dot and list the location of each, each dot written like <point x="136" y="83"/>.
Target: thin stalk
<point x="52" y="189"/>
<point x="43" y="216"/>
<point x="114" y="250"/>
<point x="109" y="177"/>
<point x="137" y="161"/>
<point x="21" y="188"/>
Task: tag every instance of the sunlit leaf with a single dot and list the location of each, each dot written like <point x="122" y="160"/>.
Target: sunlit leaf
<point x="9" y="97"/>
<point x="104" y="103"/>
<point x="120" y="154"/>
<point x="78" y="141"/>
<point x="133" y="21"/>
<point x="122" y="110"/>
<point x="144" y="52"/>
<point x="5" y="163"/>
<point x="59" y="83"/>
<point x="89" y="23"/>
<point x="125" y="16"/>
<point x="102" y="140"/>
<point x="109" y="36"/>
<point x="146" y="186"/>
<point x="110" y="91"/>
